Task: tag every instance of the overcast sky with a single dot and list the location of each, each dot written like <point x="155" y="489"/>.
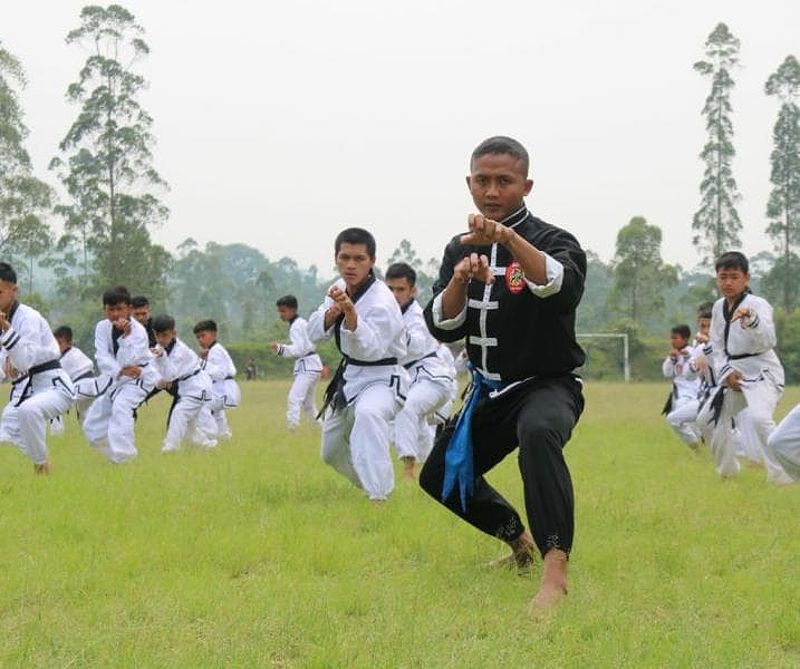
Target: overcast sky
<point x="278" y="124"/>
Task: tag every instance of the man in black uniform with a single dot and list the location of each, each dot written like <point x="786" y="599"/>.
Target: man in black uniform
<point x="510" y="286"/>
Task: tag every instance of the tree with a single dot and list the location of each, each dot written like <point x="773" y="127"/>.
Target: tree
<point x="716" y="223"/>
<point x="30" y="240"/>
<point x="783" y="207"/>
<point x="640" y="276"/>
<point x="107" y="167"/>
<point x="24" y="199"/>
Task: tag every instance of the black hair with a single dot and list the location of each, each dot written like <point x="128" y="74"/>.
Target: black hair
<point x="402" y="270"/>
<point x="205" y="326"/>
<point x="683" y="331"/>
<point x="63" y="332"/>
<point x="501" y="145"/>
<point x="116" y="295"/>
<point x="139" y="301"/>
<point x="162" y="323"/>
<point x="732" y="260"/>
<point x="7" y="273"/>
<point x="705" y="309"/>
<point x="287" y="301"/>
<point x="356" y="236"/>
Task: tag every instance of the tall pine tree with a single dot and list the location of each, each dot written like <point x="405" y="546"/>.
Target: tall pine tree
<point x="716" y="223"/>
<point x="783" y="207"/>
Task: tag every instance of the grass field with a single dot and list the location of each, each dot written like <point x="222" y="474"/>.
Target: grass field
<point x="257" y="555"/>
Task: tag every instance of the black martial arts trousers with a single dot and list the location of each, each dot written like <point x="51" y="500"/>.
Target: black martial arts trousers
<point x="538" y="416"/>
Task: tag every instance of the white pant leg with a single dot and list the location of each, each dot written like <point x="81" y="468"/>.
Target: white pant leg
<point x="784" y="443"/>
<point x="183" y="417"/>
<point x="369" y="440"/>
<point x="682" y="419"/>
<point x="723" y="444"/>
<point x="411" y="432"/>
<point x="309" y="405"/>
<point x="336" y="442"/>
<point x="27" y="423"/>
<point x="749" y="448"/>
<point x="121" y="433"/>
<point x="301" y="397"/>
<point x="95" y="423"/>
<point x="762" y="398"/>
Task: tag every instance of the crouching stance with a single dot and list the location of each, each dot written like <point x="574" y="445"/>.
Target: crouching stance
<point x="123" y="357"/>
<point x="181" y="369"/>
<point x="361" y="314"/>
<point x="40" y="390"/>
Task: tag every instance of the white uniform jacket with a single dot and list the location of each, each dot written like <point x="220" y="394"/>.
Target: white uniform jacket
<point x="77" y="364"/>
<point x="423" y="358"/>
<point x="219" y="366"/>
<point x="133" y="350"/>
<point x="684" y="377"/>
<point x="301" y="348"/>
<point x="181" y="365"/>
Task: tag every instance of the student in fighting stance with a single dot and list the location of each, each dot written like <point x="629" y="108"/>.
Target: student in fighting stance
<point x="80" y="369"/>
<point x="360" y="312"/>
<point x="225" y="393"/>
<point x="307" y="365"/>
<point x="40" y="390"/>
<point x="682" y="404"/>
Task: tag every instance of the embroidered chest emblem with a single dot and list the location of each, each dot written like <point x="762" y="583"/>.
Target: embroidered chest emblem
<point x="515" y="278"/>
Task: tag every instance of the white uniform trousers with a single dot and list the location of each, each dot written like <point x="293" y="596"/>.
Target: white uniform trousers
<point x="26" y="425"/>
<point x="412" y="433"/>
<point x="682" y="420"/>
<point x="301" y="398"/>
<point x="184" y="421"/>
<point x="355" y="440"/>
<point x="109" y="424"/>
<point x="213" y="421"/>
<point x="784" y="443"/>
<point x="761" y="398"/>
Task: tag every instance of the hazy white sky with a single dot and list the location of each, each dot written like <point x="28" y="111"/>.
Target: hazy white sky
<point x="278" y="124"/>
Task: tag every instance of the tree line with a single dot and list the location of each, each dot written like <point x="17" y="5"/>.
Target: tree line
<point x="112" y="204"/>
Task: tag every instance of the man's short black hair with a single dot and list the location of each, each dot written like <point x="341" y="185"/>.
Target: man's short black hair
<point x="732" y="260"/>
<point x="163" y="322"/>
<point x="287" y="301"/>
<point x="356" y="236"/>
<point x="501" y="145"/>
<point x="7" y="273"/>
<point x="402" y="270"/>
<point x="116" y="295"/>
<point x="139" y="301"/>
<point x="705" y="309"/>
<point x="205" y="326"/>
<point x="682" y="330"/>
<point x="63" y="332"/>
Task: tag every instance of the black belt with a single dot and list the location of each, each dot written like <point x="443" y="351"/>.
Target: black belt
<point x="741" y="356"/>
<point x="228" y="378"/>
<point x="189" y="376"/>
<point x="370" y="363"/>
<point x="36" y="369"/>
<point x="85" y="375"/>
<point x="409" y="365"/>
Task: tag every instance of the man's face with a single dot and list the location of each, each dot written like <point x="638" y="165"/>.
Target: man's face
<point x="402" y="290"/>
<point x="63" y="344"/>
<point x="165" y="338"/>
<point x="704" y="326"/>
<point x="286" y="313"/>
<point x="678" y="341"/>
<point x="141" y="314"/>
<point x="354" y="264"/>
<point x="114" y="312"/>
<point x="205" y="338"/>
<point x="497" y="185"/>
<point x="8" y="293"/>
<point x="732" y="282"/>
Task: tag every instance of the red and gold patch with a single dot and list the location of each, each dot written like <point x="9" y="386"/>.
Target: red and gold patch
<point x="515" y="278"/>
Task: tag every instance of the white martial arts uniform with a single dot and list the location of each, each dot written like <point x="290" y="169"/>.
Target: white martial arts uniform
<point x="41" y="389"/>
<point x="684" y="402"/>
<point x="355" y="434"/>
<point x="80" y="368"/>
<point x="109" y="422"/>
<point x="179" y="365"/>
<point x="430" y="386"/>
<point x="784" y="443"/>
<point x="225" y="393"/>
<point x="744" y="346"/>
<point x="307" y="370"/>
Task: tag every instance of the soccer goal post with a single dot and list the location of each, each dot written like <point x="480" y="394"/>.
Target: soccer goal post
<point x="626" y="367"/>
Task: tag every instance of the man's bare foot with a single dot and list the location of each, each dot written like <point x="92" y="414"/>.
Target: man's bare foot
<point x="43" y="468"/>
<point x="553" y="587"/>
<point x="523" y="551"/>
<point x="408" y="467"/>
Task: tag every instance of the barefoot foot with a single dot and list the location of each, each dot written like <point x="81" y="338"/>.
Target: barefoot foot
<point x="553" y="587"/>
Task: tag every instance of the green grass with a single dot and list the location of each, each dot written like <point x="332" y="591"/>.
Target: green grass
<point x="258" y="555"/>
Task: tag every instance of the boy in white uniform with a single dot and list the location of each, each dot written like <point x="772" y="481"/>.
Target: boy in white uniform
<point x="681" y="407"/>
<point x="225" y="393"/>
<point x="180" y="367"/>
<point x="41" y="390"/>
<point x="80" y="369"/>
<point x="784" y="443"/>
<point x="307" y="366"/>
<point x="363" y="316"/>
<point x="123" y="355"/>
<point x="430" y="376"/>
<point x="747" y="369"/>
